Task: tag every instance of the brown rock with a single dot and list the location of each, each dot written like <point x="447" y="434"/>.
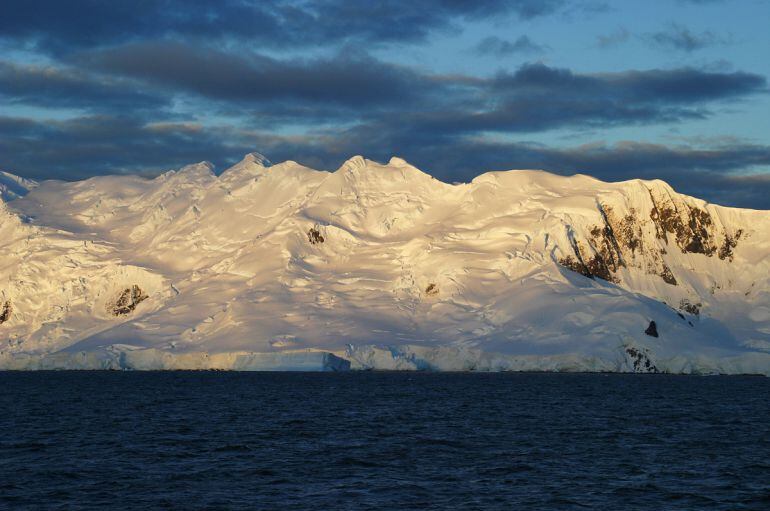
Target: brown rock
<point x="5" y="312"/>
<point x="314" y="236"/>
<point x="127" y="301"/>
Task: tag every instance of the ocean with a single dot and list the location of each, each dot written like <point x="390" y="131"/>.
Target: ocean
<point x="371" y="440"/>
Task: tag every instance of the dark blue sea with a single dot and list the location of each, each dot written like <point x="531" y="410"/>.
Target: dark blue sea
<point x="324" y="441"/>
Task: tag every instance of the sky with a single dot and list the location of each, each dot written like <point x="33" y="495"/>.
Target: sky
<point x="675" y="90"/>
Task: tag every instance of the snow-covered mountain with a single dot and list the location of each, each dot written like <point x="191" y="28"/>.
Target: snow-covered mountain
<point x="379" y="266"/>
<point x="13" y="187"/>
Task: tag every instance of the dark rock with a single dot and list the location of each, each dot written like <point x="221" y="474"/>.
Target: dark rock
<point x="595" y="265"/>
<point x="127" y="301"/>
<point x="730" y="242"/>
<point x="692" y="308"/>
<point x="640" y="360"/>
<point x="666" y="275"/>
<point x="431" y="290"/>
<point x="5" y="313"/>
<point x="615" y="245"/>
<point x="314" y="236"/>
<point x="575" y="265"/>
<point x="652" y="329"/>
<point x="692" y="227"/>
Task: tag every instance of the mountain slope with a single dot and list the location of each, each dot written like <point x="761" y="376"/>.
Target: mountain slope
<point x="381" y="266"/>
<point x="13" y="187"/>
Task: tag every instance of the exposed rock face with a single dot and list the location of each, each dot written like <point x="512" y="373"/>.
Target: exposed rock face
<point x="629" y="239"/>
<point x="594" y="262"/>
<point x="5" y="312"/>
<point x="617" y="243"/>
<point x="431" y="290"/>
<point x="694" y="229"/>
<point x="314" y="236"/>
<point x="730" y="242"/>
<point x="652" y="329"/>
<point x="640" y="360"/>
<point x="688" y="306"/>
<point x="127" y="301"/>
<point x="628" y="236"/>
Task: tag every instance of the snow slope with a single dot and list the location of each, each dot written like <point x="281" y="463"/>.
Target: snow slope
<point x="380" y="266"/>
<point x="13" y="187"/>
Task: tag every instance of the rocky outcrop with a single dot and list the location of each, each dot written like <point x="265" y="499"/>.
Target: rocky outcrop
<point x="729" y="244"/>
<point x="127" y="301"/>
<point x="617" y="243"/>
<point x="691" y="226"/>
<point x="652" y="329"/>
<point x="639" y="360"/>
<point x="314" y="236"/>
<point x="431" y="290"/>
<point x="628" y="236"/>
<point x="693" y="229"/>
<point x="630" y="240"/>
<point x="692" y="308"/>
<point x="592" y="262"/>
<point x="6" y="311"/>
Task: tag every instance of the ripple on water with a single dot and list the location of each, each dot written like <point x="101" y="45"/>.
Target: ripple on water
<point x="198" y="440"/>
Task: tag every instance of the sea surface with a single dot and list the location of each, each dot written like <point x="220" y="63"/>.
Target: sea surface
<point x="326" y="441"/>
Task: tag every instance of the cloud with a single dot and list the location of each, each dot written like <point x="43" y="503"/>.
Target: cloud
<point x="60" y="27"/>
<point x="353" y="86"/>
<point x="498" y="47"/>
<point x="56" y="87"/>
<point x="678" y="37"/>
<point x="95" y="145"/>
<point x="616" y="38"/>
<point x="144" y="101"/>
<point x="350" y="78"/>
<point x="440" y="122"/>
<point x="537" y="98"/>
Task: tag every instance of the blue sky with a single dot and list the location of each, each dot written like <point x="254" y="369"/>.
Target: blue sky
<point x="675" y="90"/>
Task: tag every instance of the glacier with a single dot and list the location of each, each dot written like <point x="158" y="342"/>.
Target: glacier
<point x="378" y="266"/>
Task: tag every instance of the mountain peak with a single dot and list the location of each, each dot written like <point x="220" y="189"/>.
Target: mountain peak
<point x="257" y="159"/>
<point x="354" y="162"/>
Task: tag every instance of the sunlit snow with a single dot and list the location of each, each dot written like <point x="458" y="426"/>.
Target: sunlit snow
<point x="378" y="266"/>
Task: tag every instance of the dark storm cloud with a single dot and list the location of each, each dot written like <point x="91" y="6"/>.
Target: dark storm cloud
<point x="680" y="86"/>
<point x="538" y="97"/>
<point x="62" y="26"/>
<point x="534" y="98"/>
<point x="50" y="86"/>
<point x="678" y="37"/>
<point x="95" y="145"/>
<point x="350" y="78"/>
<point x="498" y="47"/>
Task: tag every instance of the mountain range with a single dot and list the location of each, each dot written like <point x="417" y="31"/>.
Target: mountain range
<point x="378" y="266"/>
